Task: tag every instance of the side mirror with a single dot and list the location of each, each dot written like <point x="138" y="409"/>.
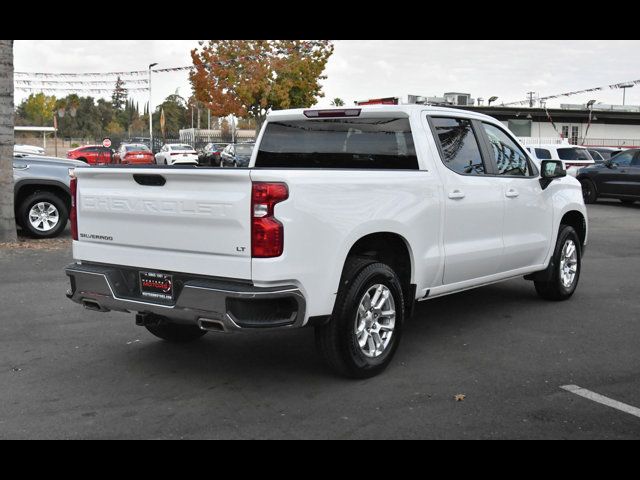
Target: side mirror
<point x="550" y="170"/>
<point x="610" y="164"/>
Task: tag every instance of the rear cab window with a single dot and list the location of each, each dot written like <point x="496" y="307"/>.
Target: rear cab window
<point x="359" y="143"/>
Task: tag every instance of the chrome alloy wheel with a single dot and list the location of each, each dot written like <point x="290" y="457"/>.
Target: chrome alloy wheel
<point x="44" y="216"/>
<point x="568" y="263"/>
<point x="375" y="320"/>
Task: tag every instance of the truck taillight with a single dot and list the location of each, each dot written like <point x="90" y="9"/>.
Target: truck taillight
<point x="73" y="215"/>
<point x="267" y="233"/>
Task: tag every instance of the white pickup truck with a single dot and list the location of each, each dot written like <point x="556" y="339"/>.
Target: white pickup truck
<point x="343" y="219"/>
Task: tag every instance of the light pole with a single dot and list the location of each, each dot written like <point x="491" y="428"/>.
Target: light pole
<point x="491" y="100"/>
<point x="150" y="113"/>
<point x="624" y="87"/>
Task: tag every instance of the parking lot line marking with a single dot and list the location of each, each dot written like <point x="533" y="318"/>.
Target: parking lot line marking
<point x="596" y="397"/>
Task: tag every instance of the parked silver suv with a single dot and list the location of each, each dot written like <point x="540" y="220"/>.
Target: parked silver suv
<point x="41" y="194"/>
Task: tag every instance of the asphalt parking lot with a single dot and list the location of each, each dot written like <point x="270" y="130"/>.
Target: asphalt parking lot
<point x="66" y="372"/>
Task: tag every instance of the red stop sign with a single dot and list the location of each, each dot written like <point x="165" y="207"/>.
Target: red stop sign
<point x="106" y="142"/>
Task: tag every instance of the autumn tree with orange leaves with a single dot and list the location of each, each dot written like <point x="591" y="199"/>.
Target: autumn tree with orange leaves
<point x="249" y="78"/>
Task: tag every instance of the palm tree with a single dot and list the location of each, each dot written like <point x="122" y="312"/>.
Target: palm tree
<point x="337" y="102"/>
<point x="7" y="219"/>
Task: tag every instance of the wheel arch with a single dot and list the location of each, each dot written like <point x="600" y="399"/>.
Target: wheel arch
<point x="577" y="220"/>
<point x="391" y="249"/>
<point x="25" y="188"/>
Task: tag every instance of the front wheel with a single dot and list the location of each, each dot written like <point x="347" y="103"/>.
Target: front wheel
<point x="589" y="193"/>
<point x="43" y="214"/>
<point x="565" y="269"/>
<point x="366" y="325"/>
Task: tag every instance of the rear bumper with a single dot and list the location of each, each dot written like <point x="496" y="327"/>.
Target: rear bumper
<point x="211" y="304"/>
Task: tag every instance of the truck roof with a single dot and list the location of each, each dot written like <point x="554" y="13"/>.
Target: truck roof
<point x="376" y="110"/>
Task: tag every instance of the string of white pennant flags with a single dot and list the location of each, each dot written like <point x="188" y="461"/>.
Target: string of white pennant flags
<point x="613" y="86"/>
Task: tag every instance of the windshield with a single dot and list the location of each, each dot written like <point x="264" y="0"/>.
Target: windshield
<point x="180" y="147"/>
<point x="573" y="154"/>
<point x="244" y="149"/>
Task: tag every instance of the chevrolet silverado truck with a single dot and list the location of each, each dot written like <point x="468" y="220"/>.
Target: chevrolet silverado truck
<point x="342" y="220"/>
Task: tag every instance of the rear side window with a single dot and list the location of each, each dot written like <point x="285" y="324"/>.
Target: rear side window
<point x="573" y="154"/>
<point x="367" y="143"/>
<point x="543" y="154"/>
<point x="459" y="145"/>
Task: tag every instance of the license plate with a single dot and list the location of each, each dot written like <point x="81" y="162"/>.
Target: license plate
<point x="156" y="285"/>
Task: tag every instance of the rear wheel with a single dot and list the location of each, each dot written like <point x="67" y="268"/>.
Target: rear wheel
<point x="366" y="325"/>
<point x="176" y="333"/>
<point x="566" y="267"/>
<point x="589" y="193"/>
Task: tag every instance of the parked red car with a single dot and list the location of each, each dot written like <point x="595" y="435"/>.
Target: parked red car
<point x="92" y="154"/>
<point x="134" y="153"/>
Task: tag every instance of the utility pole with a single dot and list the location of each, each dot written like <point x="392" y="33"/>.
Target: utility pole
<point x="150" y="114"/>
<point x="531" y="94"/>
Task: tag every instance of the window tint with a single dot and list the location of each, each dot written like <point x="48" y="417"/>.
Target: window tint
<point x="573" y="154"/>
<point x="596" y="155"/>
<point x="459" y="145"/>
<point x="370" y="143"/>
<point x="543" y="154"/>
<point x="510" y="158"/>
<point x="623" y="159"/>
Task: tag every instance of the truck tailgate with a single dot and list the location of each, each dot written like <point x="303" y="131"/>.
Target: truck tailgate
<point x="180" y="220"/>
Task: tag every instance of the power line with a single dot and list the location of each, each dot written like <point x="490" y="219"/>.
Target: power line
<point x="612" y="86"/>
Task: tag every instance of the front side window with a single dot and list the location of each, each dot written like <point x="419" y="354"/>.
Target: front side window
<point x="366" y="143"/>
<point x="510" y="158"/>
<point x="623" y="159"/>
<point x="459" y="145"/>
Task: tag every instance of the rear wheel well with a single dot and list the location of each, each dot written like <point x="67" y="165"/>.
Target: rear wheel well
<point x="576" y="220"/>
<point x="392" y="250"/>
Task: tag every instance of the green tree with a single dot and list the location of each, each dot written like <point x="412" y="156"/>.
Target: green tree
<point x="7" y="219"/>
<point x="37" y="110"/>
<point x="252" y="77"/>
<point x="119" y="97"/>
<point x="176" y="115"/>
<point x="337" y="102"/>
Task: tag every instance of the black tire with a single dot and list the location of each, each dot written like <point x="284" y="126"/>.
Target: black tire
<point x="336" y="341"/>
<point x="627" y="201"/>
<point x="554" y="289"/>
<point x="176" y="333"/>
<point x="589" y="193"/>
<point x="43" y="196"/>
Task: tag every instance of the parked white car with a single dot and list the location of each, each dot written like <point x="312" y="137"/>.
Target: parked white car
<point x="27" y="150"/>
<point x="344" y="218"/>
<point x="176" y="153"/>
<point x="573" y="157"/>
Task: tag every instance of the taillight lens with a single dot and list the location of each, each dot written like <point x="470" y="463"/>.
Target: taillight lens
<point x="267" y="233"/>
<point x="73" y="215"/>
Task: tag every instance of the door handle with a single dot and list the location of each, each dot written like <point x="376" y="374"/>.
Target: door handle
<point x="456" y="195"/>
<point x="511" y="193"/>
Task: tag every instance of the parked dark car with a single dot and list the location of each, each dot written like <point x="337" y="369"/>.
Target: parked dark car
<point x="602" y="154"/>
<point x="618" y="177"/>
<point x="236" y="155"/>
<point x="210" y="154"/>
